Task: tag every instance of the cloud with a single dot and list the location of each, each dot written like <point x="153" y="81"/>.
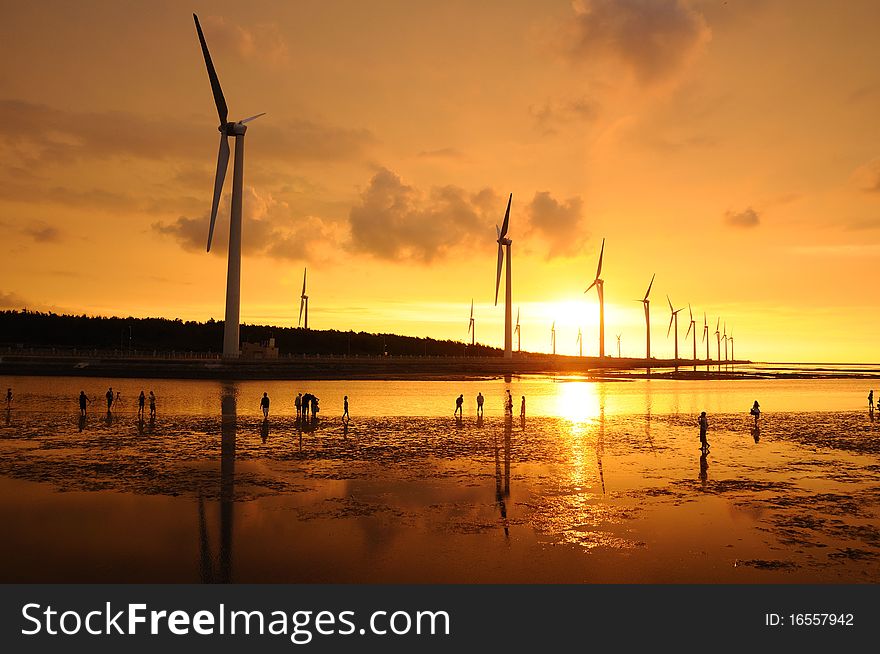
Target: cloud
<point x="867" y="176"/>
<point x="654" y="39"/>
<point x="39" y="134"/>
<point x="442" y="153"/>
<point x="745" y="219"/>
<point x="261" y="42"/>
<point x="269" y="228"/>
<point x="550" y="116"/>
<point x="558" y="223"/>
<point x="42" y="232"/>
<point x="396" y="221"/>
<point x="12" y="301"/>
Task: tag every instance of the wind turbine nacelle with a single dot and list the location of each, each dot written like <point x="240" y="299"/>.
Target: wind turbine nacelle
<point x="233" y="129"/>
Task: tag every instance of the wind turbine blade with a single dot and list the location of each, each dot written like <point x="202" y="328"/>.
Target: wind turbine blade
<point x="472" y="309"/>
<point x="302" y="302"/>
<point x="691" y="313"/>
<point x="505" y="224"/>
<point x="670" y="304"/>
<point x="250" y="118"/>
<point x="517" y="317"/>
<point x="219" y="100"/>
<point x="219" y="177"/>
<point x="705" y="322"/>
<point x="498" y="274"/>
<point x="304" y="281"/>
<point x="648" y="292"/>
<point x="591" y="286"/>
<point x="688" y="332"/>
<point x="669" y="329"/>
<point x="601" y="254"/>
<point x="717" y="325"/>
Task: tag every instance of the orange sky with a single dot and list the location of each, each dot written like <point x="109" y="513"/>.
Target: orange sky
<point x="730" y="147"/>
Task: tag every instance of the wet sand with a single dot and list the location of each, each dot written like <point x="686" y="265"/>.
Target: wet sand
<point x="592" y="497"/>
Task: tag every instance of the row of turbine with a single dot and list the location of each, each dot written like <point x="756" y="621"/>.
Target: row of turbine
<point x="504" y="256"/>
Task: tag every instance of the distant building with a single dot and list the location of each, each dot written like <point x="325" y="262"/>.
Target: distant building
<point x="264" y="350"/>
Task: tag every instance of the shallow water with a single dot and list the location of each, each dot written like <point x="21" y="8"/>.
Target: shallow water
<point x="602" y="482"/>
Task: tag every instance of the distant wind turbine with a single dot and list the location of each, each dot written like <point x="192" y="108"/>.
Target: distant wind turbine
<point x="504" y="242"/>
<point x="233" y="270"/>
<point x="580" y="343"/>
<point x="646" y="303"/>
<point x="706" y="336"/>
<point x="673" y="317"/>
<point x="724" y="338"/>
<point x="553" y="337"/>
<point x="304" y="302"/>
<point x="518" y="333"/>
<point x="472" y="330"/>
<point x="730" y="338"/>
<point x="618" y="346"/>
<point x="692" y="326"/>
<point x="718" y="338"/>
<point x="599" y="283"/>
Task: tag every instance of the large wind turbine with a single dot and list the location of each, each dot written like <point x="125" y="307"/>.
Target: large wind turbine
<point x="730" y="338"/>
<point x="472" y="330"/>
<point x="518" y="333"/>
<point x="503" y="242"/>
<point x="304" y="302"/>
<point x="600" y="286"/>
<point x="718" y="338"/>
<point x="692" y="326"/>
<point x="580" y="343"/>
<point x="646" y="303"/>
<point x="553" y="336"/>
<point x="233" y="271"/>
<point x="673" y="317"/>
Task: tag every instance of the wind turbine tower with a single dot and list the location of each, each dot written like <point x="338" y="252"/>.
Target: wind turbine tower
<point x="303" y="303"/>
<point x="646" y="303"/>
<point x="599" y="283"/>
<point x="553" y="337"/>
<point x="580" y="343"/>
<point x="618" y="346"/>
<point x="692" y="326"/>
<point x="718" y="338"/>
<point x="724" y="338"/>
<point x="706" y="337"/>
<point x="504" y="243"/>
<point x="472" y="330"/>
<point x="231" y="345"/>
<point x="673" y="317"/>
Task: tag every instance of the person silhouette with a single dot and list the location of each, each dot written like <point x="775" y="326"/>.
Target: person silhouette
<point x="152" y="406"/>
<point x="459" y="401"/>
<point x="870" y="398"/>
<point x="82" y="403"/>
<point x="704" y="428"/>
<point x="298" y="402"/>
<point x="8" y="398"/>
<point x="756" y="411"/>
<point x="345" y="415"/>
<point x="508" y="407"/>
<point x="522" y="407"/>
<point x="264" y="404"/>
<point x="141" y="400"/>
<point x="109" y="396"/>
<point x="480" y="400"/>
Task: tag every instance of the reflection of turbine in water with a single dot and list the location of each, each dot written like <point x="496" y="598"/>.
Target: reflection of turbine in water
<point x="502" y="487"/>
<point x="600" y="441"/>
<point x="223" y="571"/>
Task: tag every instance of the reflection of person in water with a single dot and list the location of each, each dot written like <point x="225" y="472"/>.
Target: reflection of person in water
<point x="704" y="428"/>
<point x="704" y="468"/>
<point x="9" y="398"/>
<point x="264" y="430"/>
<point x="756" y="432"/>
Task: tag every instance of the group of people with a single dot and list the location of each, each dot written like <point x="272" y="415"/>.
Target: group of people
<point x="508" y="405"/>
<point x="755" y="412"/>
<point x="307" y="404"/>
<point x="113" y="398"/>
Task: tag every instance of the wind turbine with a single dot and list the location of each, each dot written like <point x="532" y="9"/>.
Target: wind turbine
<point x="706" y="336"/>
<point x="600" y="286"/>
<point x="304" y="302"/>
<point x="718" y="338"/>
<point x="518" y="333"/>
<point x="692" y="326"/>
<point x="724" y="338"/>
<point x="553" y="336"/>
<point x="730" y="338"/>
<point x="503" y="242"/>
<point x="233" y="270"/>
<point x="472" y="330"/>
<point x="673" y="317"/>
<point x="646" y="303"/>
<point x="618" y="346"/>
<point x="580" y="343"/>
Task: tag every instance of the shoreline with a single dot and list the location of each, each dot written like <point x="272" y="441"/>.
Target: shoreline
<point x="329" y="367"/>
